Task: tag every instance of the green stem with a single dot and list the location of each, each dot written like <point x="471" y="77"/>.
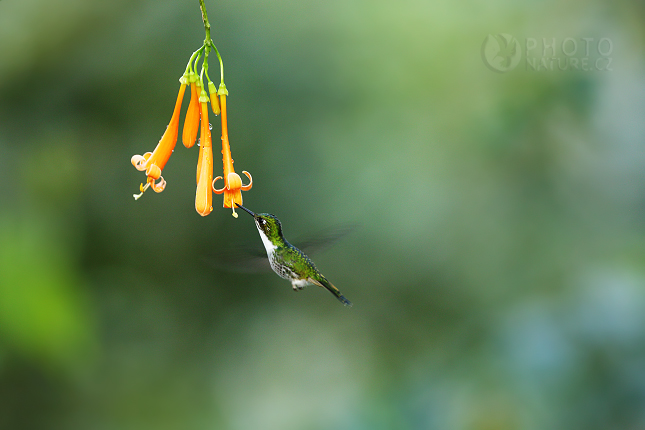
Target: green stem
<point x="221" y="65"/>
<point x="189" y="66"/>
<point x="207" y="26"/>
<point x="208" y="42"/>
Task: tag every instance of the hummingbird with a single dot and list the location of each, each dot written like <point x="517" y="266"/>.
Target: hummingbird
<point x="286" y="260"/>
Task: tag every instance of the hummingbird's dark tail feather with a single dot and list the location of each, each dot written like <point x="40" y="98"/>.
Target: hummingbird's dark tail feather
<point x="330" y="287"/>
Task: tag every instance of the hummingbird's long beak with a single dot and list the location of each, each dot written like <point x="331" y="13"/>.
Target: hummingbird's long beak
<point x="245" y="209"/>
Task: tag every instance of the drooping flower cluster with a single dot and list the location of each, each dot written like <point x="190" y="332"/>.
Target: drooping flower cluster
<point x="196" y="120"/>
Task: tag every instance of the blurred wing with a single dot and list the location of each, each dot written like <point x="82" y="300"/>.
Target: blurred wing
<point x="253" y="258"/>
<point x="323" y="239"/>
<point x="240" y="259"/>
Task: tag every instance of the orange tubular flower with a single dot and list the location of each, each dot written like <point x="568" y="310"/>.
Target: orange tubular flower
<point x="191" y="123"/>
<point x="154" y="162"/>
<point x="232" y="182"/>
<point x="204" y="194"/>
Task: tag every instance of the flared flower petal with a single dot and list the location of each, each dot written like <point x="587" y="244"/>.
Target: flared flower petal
<point x="139" y="161"/>
<point x="250" y="184"/>
<point x="153" y="171"/>
<point x="232" y="189"/>
<point x="157" y="187"/>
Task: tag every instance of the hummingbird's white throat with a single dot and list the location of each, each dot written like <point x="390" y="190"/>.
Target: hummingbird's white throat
<point x="270" y="247"/>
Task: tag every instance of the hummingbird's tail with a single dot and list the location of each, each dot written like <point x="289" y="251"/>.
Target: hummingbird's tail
<point x="330" y="287"/>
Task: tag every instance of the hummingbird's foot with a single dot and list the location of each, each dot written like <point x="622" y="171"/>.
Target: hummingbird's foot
<point x="298" y="285"/>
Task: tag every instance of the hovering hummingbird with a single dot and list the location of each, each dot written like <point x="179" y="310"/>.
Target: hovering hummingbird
<point x="286" y="260"/>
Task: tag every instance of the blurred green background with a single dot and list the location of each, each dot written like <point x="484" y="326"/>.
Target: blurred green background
<point x="497" y="268"/>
